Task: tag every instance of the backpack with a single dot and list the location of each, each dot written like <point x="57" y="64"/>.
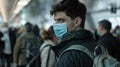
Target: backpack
<point x="31" y="47"/>
<point x="102" y="60"/>
<point x="38" y="54"/>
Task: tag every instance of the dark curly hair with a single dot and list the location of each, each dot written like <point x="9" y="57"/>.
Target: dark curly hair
<point x="48" y="34"/>
<point x="28" y="27"/>
<point x="72" y="8"/>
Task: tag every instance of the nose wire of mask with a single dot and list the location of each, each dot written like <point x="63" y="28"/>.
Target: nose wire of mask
<point x="60" y="29"/>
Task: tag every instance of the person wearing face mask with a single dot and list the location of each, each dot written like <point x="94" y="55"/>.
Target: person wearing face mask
<point x="69" y="29"/>
<point x="117" y="32"/>
<point x="2" y="45"/>
<point x="9" y="38"/>
<point x="110" y="42"/>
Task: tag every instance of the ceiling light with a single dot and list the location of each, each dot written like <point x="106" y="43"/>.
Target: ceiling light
<point x="23" y="2"/>
<point x="20" y="5"/>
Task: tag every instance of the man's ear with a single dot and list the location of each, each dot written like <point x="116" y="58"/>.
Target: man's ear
<point x="78" y="21"/>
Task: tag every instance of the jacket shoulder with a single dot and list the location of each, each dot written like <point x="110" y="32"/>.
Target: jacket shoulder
<point x="74" y="58"/>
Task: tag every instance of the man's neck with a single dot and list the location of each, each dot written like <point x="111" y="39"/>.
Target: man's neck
<point x="77" y="29"/>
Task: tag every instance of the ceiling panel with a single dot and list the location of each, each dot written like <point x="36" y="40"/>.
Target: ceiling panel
<point x="6" y="8"/>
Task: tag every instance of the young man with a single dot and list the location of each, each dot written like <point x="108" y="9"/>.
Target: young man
<point x="110" y="42"/>
<point x="69" y="29"/>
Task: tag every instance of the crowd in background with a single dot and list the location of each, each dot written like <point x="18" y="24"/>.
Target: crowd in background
<point x="47" y="39"/>
<point x="48" y="44"/>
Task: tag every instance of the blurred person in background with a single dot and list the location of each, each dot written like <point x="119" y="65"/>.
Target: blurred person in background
<point x="12" y="34"/>
<point x="36" y="32"/>
<point x="2" y="45"/>
<point x="9" y="37"/>
<point x="47" y="55"/>
<point x="109" y="41"/>
<point x="95" y="32"/>
<point x="20" y="51"/>
<point x="20" y="31"/>
<point x="116" y="31"/>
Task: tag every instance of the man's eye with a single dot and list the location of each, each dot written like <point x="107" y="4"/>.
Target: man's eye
<point x="61" y="20"/>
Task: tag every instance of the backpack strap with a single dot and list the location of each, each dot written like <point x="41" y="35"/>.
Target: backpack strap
<point x="28" y="65"/>
<point x="79" y="48"/>
<point x="45" y="47"/>
<point x="48" y="57"/>
<point x="103" y="50"/>
<point x="47" y="61"/>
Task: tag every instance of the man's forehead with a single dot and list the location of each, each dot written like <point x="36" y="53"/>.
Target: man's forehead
<point x="59" y="15"/>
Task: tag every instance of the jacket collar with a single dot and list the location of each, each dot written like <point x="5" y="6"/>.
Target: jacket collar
<point x="78" y="35"/>
<point x="106" y="34"/>
<point x="81" y="35"/>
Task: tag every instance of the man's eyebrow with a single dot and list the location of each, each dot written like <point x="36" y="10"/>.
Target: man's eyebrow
<point x="59" y="19"/>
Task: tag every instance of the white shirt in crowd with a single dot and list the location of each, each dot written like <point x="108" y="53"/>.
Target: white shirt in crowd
<point x="6" y="39"/>
<point x="7" y="48"/>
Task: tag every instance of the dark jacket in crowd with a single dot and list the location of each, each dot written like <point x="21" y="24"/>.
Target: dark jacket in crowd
<point x="112" y="44"/>
<point x="12" y="36"/>
<point x="74" y="58"/>
<point x="19" y="50"/>
<point x="2" y="44"/>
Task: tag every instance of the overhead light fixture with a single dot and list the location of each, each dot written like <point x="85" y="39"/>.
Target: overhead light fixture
<point x="20" y="5"/>
<point x="17" y="10"/>
<point x="23" y="2"/>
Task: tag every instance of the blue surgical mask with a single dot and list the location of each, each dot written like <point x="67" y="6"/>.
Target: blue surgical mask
<point x="60" y="29"/>
<point x="118" y="32"/>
